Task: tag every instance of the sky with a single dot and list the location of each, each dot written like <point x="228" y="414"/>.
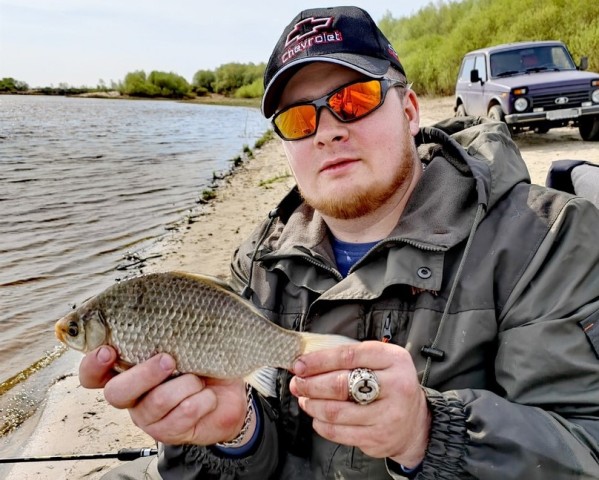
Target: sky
<point x="82" y="42"/>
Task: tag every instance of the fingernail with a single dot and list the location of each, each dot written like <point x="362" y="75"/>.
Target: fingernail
<point x="104" y="355"/>
<point x="299" y="368"/>
<point x="297" y="386"/>
<point x="167" y="363"/>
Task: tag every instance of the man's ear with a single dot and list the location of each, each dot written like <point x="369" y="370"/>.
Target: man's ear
<point x="412" y="111"/>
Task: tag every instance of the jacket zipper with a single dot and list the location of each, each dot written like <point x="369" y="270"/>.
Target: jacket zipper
<point x="386" y="337"/>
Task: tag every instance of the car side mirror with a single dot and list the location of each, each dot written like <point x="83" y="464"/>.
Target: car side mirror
<point x="474" y="77"/>
<point x="584" y="63"/>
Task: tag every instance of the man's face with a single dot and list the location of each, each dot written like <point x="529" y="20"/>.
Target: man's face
<point x="348" y="170"/>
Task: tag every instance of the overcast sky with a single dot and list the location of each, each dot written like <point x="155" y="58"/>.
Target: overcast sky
<point x="79" y="42"/>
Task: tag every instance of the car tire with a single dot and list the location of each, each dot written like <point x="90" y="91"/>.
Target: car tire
<point x="460" y="111"/>
<point x="589" y="128"/>
<point x="496" y="113"/>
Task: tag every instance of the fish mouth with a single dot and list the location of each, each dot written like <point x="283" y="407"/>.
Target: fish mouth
<point x="60" y="331"/>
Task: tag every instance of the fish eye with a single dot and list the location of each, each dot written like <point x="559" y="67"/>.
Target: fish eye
<point x="73" y="329"/>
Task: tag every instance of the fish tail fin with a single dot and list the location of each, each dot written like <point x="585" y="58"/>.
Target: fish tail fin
<point x="264" y="380"/>
<point x="319" y="341"/>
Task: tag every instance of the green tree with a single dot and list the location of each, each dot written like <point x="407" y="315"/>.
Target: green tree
<point x="169" y="84"/>
<point x="10" y="85"/>
<point x="232" y="76"/>
<point x="136" y="84"/>
<point x="253" y="90"/>
<point x="203" y="81"/>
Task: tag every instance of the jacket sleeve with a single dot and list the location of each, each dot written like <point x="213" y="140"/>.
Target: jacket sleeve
<point x="546" y="423"/>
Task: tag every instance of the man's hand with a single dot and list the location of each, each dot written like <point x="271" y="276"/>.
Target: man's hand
<point x="178" y="410"/>
<point x="396" y="425"/>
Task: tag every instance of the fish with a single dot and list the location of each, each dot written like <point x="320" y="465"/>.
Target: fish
<point x="208" y="329"/>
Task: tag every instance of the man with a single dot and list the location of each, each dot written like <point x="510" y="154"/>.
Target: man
<point x="474" y="293"/>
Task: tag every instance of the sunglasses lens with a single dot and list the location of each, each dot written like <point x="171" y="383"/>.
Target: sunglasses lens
<point x="297" y="122"/>
<point x="347" y="104"/>
<point x="356" y="100"/>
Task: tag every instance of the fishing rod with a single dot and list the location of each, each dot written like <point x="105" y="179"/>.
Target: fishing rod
<point x="124" y="454"/>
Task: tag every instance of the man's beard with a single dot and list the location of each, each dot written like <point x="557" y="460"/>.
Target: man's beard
<point x="363" y="200"/>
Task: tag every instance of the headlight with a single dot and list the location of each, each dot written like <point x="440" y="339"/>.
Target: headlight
<point x="595" y="96"/>
<point x="521" y="104"/>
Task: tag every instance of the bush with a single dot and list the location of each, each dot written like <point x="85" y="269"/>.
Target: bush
<point x="203" y="81"/>
<point x="10" y="85"/>
<point x="233" y="76"/>
<point x="254" y="90"/>
<point x="157" y="84"/>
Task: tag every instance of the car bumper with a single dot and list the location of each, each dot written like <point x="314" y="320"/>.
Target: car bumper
<point x="551" y="115"/>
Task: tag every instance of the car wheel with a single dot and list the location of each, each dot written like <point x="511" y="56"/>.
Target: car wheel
<point x="460" y="111"/>
<point x="589" y="128"/>
<point x="496" y="113"/>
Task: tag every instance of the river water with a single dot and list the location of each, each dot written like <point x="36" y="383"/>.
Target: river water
<point x="85" y="183"/>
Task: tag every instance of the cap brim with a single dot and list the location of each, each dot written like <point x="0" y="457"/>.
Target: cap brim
<point x="369" y="66"/>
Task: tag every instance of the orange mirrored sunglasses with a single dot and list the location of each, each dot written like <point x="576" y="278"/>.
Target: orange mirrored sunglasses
<point x="347" y="103"/>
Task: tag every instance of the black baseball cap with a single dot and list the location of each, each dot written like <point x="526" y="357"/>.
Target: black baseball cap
<point x="343" y="35"/>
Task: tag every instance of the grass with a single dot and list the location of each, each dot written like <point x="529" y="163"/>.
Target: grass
<point x="269" y="181"/>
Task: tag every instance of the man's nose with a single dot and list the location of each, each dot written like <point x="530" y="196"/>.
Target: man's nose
<point x="329" y="128"/>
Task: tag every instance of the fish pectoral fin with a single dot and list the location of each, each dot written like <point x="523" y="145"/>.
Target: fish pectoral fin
<point x="264" y="380"/>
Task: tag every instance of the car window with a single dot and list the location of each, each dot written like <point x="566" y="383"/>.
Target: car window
<point x="530" y="59"/>
<point x="561" y="58"/>
<point x="479" y="64"/>
<point x="467" y="66"/>
<point x="505" y="63"/>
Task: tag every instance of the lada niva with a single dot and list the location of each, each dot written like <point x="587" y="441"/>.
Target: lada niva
<point x="529" y="85"/>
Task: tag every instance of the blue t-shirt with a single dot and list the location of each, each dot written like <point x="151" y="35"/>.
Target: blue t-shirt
<point x="347" y="254"/>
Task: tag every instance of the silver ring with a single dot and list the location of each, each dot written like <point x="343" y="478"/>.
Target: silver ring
<point x="363" y="386"/>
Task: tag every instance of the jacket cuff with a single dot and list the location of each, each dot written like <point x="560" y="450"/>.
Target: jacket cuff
<point x="444" y="456"/>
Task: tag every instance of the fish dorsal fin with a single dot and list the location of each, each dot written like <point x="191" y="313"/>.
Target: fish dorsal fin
<point x="264" y="380"/>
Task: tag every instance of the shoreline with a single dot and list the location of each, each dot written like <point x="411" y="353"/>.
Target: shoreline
<point x="75" y="420"/>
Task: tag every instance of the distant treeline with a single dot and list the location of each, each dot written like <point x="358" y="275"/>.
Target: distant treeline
<point x="430" y="44"/>
<point x="241" y="80"/>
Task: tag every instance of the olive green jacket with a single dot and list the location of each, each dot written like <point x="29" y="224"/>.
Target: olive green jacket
<point x="492" y="285"/>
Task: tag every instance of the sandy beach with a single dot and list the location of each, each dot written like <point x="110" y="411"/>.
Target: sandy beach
<point x="76" y="420"/>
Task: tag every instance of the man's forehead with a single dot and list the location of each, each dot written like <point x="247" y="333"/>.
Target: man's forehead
<point x="319" y="78"/>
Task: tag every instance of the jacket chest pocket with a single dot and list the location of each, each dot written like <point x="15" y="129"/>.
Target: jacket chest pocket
<point x="387" y="325"/>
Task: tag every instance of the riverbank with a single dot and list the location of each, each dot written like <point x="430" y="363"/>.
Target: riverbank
<point x="76" y="420"/>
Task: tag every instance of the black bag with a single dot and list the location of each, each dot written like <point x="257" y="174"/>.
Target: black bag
<point x="578" y="177"/>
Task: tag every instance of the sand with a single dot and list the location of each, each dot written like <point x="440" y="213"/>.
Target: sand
<point x="76" y="420"/>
